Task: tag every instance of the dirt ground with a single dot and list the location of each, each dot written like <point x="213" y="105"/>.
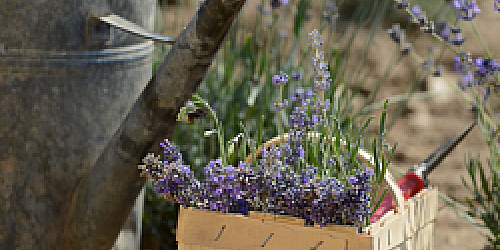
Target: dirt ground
<point x="426" y="123"/>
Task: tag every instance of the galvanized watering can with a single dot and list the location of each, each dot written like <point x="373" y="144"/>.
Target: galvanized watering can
<point x="80" y="108"/>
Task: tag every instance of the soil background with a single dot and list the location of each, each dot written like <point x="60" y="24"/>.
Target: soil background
<point x="425" y="123"/>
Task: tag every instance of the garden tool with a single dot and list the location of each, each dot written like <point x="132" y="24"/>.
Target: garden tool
<point x="416" y="177"/>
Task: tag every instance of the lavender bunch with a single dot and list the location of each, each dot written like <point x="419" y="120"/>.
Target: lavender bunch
<point x="309" y="191"/>
<point x="242" y="189"/>
<point x="309" y="114"/>
<point x="350" y="205"/>
<point x="226" y="189"/>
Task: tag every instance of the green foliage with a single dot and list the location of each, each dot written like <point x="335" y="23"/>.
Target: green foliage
<point x="485" y="201"/>
<point x="300" y="18"/>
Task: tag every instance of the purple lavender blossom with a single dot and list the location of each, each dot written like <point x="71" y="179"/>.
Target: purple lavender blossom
<point x="171" y="152"/>
<point x="459" y="39"/>
<point x="280" y="105"/>
<point x="475" y="71"/>
<point x="297" y="75"/>
<point x="407" y="47"/>
<point x="232" y="189"/>
<point x="444" y="30"/>
<point x="467" y="9"/>
<point x="396" y="33"/>
<point x="280" y="79"/>
<point x="439" y="71"/>
<point x="331" y="13"/>
<point x="430" y="28"/>
<point x="487" y="93"/>
<point x="278" y="3"/>
<point x="428" y="63"/>
<point x="486" y="67"/>
<point x="302" y="96"/>
<point x="402" y="4"/>
<point x="418" y="15"/>
<point x="315" y="39"/>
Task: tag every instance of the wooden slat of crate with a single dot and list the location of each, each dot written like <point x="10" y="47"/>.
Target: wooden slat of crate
<point x="392" y="230"/>
<point x="208" y="228"/>
<point x="377" y="226"/>
<point x="411" y="216"/>
<point x="420" y="217"/>
<point x="251" y="233"/>
<point x="432" y="235"/>
<point x="352" y="241"/>
<point x="415" y="240"/>
<point x="326" y="243"/>
<point x="341" y="228"/>
<point x="309" y="239"/>
<point x="416" y="212"/>
<point x="408" y="233"/>
<point x="425" y="239"/>
<point x="422" y="211"/>
<point x="434" y="198"/>
<point x="390" y="233"/>
<point x="429" y="208"/>
<point x="280" y="218"/>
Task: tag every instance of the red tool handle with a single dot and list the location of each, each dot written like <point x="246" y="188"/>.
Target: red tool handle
<point x="410" y="185"/>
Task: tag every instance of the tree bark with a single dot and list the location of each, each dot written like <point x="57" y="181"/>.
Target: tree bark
<point x="103" y="198"/>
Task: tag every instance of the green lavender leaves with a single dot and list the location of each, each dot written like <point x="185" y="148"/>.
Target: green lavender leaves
<point x="485" y="201"/>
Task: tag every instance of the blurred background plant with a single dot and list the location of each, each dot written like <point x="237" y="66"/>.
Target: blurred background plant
<point x="485" y="201"/>
<point x="240" y="88"/>
<point x="479" y="74"/>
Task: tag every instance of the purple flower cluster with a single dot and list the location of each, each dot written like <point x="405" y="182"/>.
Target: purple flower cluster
<point x="398" y="35"/>
<point x="331" y="13"/>
<point x="226" y="189"/>
<point x="467" y="9"/>
<point x="402" y="4"/>
<point x="450" y="33"/>
<point x="322" y="79"/>
<point x="280" y="79"/>
<point x="171" y="152"/>
<point x="278" y="3"/>
<point x="418" y="16"/>
<point x="429" y="63"/>
<point x="477" y="70"/>
<point x="301" y="122"/>
<point x="276" y="190"/>
<point x="297" y="75"/>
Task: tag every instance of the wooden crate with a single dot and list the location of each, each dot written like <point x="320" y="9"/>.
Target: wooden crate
<point x="408" y="227"/>
<point x="413" y="229"/>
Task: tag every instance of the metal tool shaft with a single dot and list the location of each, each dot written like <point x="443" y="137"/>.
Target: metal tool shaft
<point x="429" y="164"/>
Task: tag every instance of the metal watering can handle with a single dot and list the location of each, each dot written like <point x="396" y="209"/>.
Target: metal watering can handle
<point x="96" y="32"/>
<point x="393" y="185"/>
